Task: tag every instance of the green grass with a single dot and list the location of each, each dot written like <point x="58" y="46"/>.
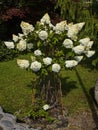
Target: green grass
<point x="16" y="93"/>
<point x="79" y="87"/>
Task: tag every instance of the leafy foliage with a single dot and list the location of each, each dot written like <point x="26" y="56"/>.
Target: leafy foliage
<point x="71" y="10"/>
<point x="12" y="12"/>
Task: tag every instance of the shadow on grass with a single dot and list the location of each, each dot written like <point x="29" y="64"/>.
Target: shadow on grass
<point x="91" y="102"/>
<point x="67" y="86"/>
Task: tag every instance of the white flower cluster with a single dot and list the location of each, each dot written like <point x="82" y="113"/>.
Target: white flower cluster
<point x="46" y="107"/>
<point x="56" y="67"/>
<point x="15" y="38"/>
<point x="21" y="46"/>
<point x="26" y="27"/>
<point x="43" y="35"/>
<point x="68" y="43"/>
<point x="9" y="45"/>
<point x="45" y="19"/>
<point x="20" y="43"/>
<point x="60" y="27"/>
<point x="78" y="58"/>
<point x="84" y="47"/>
<point x="35" y="66"/>
<point x="30" y="46"/>
<point x="47" y="61"/>
<point x="71" y="63"/>
<point x="24" y="64"/>
<point x="37" y="52"/>
<point x="48" y="37"/>
<point x="73" y="30"/>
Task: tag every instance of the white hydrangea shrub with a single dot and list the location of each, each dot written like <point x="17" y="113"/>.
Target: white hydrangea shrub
<point x="53" y="46"/>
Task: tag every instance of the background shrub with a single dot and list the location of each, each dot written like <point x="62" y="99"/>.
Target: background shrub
<point x="13" y="12"/>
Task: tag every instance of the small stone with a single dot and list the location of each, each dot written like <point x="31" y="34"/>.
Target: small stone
<point x="7" y="123"/>
<point x="60" y="117"/>
<point x="10" y="116"/>
<point x="39" y="128"/>
<point x="17" y="129"/>
<point x="62" y="123"/>
<point x="1" y="110"/>
<point x="1" y="116"/>
<point x="33" y="129"/>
